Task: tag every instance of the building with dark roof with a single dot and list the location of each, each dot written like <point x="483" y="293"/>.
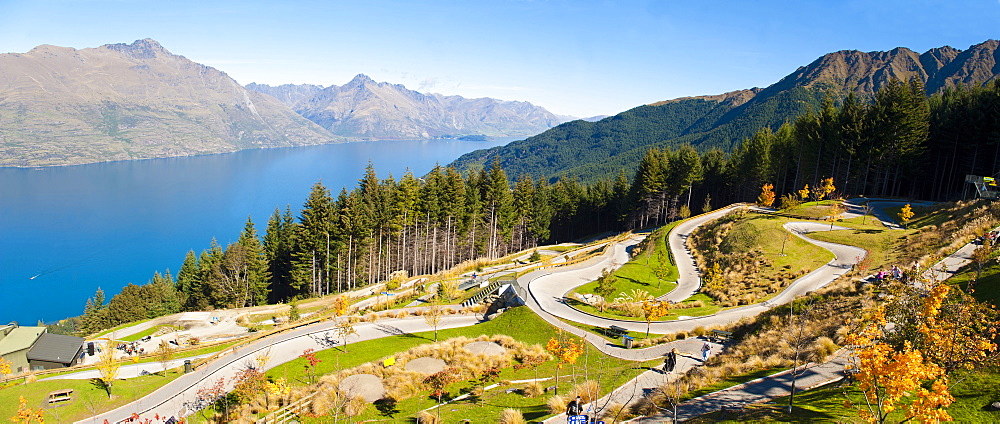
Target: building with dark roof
<point x="55" y="351"/>
<point x="33" y="348"/>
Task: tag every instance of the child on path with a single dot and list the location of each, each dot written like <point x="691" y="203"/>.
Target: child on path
<point x="705" y="350"/>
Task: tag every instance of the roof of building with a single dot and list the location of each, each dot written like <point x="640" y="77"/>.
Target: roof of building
<point x="56" y="348"/>
<point x="20" y="338"/>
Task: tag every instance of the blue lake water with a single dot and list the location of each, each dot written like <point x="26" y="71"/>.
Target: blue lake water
<point x="64" y="231"/>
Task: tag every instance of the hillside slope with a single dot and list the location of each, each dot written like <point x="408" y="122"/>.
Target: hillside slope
<point x="62" y="106"/>
<point x="590" y="151"/>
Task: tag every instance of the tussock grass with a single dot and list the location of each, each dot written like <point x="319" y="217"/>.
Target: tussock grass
<point x="511" y="416"/>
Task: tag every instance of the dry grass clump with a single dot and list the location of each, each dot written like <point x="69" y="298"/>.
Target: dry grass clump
<point x="532" y="389"/>
<point x="354" y="406"/>
<point x="511" y="416"/>
<point x="556" y="404"/>
<point x="425" y="417"/>
<point x="588" y="391"/>
<point x="401" y="384"/>
<point x="615" y="413"/>
<point x="737" y="271"/>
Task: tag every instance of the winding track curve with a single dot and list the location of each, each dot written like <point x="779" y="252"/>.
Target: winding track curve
<point x="546" y="289"/>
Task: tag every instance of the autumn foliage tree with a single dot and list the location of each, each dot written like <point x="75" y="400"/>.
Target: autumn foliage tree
<point x="4" y="368"/>
<point x="311" y="362"/>
<point x="108" y="368"/>
<point x="825" y="188"/>
<point x="766" y="197"/>
<point x="26" y="415"/>
<point x="906" y="214"/>
<point x="887" y="373"/>
<point x="653" y="310"/>
<point x="565" y="351"/>
<point x="956" y="331"/>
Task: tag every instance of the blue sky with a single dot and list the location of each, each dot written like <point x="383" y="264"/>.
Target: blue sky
<point x="577" y="57"/>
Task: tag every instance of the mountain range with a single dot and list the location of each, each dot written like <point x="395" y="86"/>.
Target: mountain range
<point x="592" y="150"/>
<point x="380" y="110"/>
<point x="63" y="106"/>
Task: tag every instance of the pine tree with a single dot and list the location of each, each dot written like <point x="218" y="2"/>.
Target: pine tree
<point x="277" y="244"/>
<point x="257" y="267"/>
<point x="309" y="248"/>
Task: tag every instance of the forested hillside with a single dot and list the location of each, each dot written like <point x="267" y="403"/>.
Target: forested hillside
<point x="589" y="151"/>
<point x="903" y="143"/>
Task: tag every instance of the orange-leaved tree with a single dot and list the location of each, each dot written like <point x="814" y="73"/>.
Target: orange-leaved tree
<point x="766" y="197"/>
<point x="26" y="415"/>
<point x="565" y="351"/>
<point x="825" y="188"/>
<point x="653" y="310"/>
<point x="957" y="331"/>
<point x="886" y="374"/>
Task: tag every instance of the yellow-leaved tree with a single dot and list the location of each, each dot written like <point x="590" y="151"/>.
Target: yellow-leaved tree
<point x="906" y="214"/>
<point x="26" y="415"/>
<point x="825" y="188"/>
<point x="886" y="373"/>
<point x="653" y="310"/>
<point x="565" y="351"/>
<point x="956" y="331"/>
<point x="804" y="193"/>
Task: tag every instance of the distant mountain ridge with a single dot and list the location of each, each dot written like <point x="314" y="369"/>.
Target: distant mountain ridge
<point x="63" y="106"/>
<point x="592" y="150"/>
<point x="364" y="108"/>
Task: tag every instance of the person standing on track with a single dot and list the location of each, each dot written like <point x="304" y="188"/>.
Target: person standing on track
<point x="670" y="361"/>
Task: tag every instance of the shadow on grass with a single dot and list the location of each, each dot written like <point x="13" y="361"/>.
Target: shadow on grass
<point x="395" y="331"/>
<point x="100" y="384"/>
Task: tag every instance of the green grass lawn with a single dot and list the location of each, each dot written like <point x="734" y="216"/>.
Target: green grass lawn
<point x="986" y="289"/>
<point x="88" y="398"/>
<point x="818" y="209"/>
<point x="147" y="332"/>
<point x="120" y="327"/>
<point x="519" y="323"/>
<point x="782" y="250"/>
<point x="881" y="244"/>
<point x="639" y="273"/>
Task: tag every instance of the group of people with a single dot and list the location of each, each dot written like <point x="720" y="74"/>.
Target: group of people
<point x="670" y="360"/>
<point x="990" y="237"/>
<point x="131" y="348"/>
<point x="896" y="274"/>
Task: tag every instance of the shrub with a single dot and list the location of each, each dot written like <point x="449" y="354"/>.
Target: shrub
<point x="682" y="335"/>
<point x="355" y="406"/>
<point x="699" y="331"/>
<point x="425" y="417"/>
<point x="588" y="391"/>
<point x="556" y="404"/>
<point x="532" y="389"/>
<point x="614" y="413"/>
<point x="511" y="416"/>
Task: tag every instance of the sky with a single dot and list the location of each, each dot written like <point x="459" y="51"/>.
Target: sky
<point x="573" y="57"/>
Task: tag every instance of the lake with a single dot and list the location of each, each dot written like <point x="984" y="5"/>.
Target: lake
<point x="64" y="231"/>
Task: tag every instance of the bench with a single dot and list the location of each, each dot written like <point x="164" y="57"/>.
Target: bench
<point x="720" y="336"/>
<point x="60" y="396"/>
<point x="615" y="332"/>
